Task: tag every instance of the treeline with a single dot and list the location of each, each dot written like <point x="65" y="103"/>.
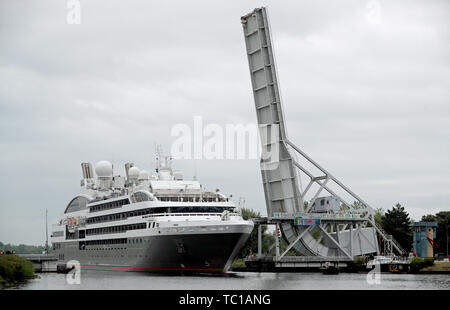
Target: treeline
<point x="397" y="223"/>
<point x="22" y="248"/>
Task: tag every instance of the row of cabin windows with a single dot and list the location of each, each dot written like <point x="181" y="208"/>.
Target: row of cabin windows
<point x="82" y="244"/>
<point x="192" y="199"/>
<point x="104" y="241"/>
<point x="109" y="205"/>
<point x="83" y="247"/>
<point x="125" y="215"/>
<point x="107" y="218"/>
<point x="80" y="202"/>
<point x="115" y="229"/>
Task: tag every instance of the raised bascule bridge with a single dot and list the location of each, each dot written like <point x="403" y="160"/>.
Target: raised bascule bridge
<point x="324" y="222"/>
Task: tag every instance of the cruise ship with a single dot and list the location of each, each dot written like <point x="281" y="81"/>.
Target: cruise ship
<point x="143" y="222"/>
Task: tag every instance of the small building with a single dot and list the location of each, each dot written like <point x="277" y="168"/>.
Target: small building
<point x="424" y="235"/>
<point x="326" y="204"/>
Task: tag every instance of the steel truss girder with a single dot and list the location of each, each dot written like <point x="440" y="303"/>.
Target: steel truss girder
<point x="334" y="241"/>
<point x="323" y="185"/>
<point x="293" y="243"/>
<point x="354" y="234"/>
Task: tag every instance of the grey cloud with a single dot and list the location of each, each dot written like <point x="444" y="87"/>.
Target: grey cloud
<point x="369" y="102"/>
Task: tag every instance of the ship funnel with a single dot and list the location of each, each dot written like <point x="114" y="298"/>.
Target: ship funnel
<point x="86" y="168"/>
<point x="127" y="169"/>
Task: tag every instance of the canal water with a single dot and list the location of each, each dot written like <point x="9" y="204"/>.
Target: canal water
<point x="116" y="280"/>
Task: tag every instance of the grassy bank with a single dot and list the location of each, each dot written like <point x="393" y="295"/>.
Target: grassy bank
<point x="438" y="267"/>
<point x="14" y="270"/>
<point x="238" y="264"/>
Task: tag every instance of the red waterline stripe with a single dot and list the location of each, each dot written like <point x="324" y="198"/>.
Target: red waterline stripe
<point x="155" y="269"/>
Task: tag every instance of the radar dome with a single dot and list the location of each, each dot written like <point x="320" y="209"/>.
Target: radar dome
<point x="133" y="173"/>
<point x="143" y="175"/>
<point x="104" y="169"/>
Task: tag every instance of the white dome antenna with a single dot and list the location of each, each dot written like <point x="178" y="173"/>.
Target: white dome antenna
<point x="104" y="169"/>
<point x="133" y="174"/>
<point x="143" y="175"/>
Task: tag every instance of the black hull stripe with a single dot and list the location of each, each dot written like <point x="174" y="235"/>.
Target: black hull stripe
<point x="151" y="269"/>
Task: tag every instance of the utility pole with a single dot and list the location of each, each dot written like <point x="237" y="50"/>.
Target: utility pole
<point x="46" y="232"/>
<point x="447" y="241"/>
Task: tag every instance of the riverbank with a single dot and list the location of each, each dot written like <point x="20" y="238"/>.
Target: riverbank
<point x="437" y="268"/>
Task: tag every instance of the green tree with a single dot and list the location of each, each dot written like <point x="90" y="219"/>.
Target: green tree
<point x="14" y="269"/>
<point x="396" y="222"/>
<point x="268" y="239"/>
<point x="428" y="218"/>
<point x="378" y="216"/>
<point x="251" y="246"/>
<point x="357" y="205"/>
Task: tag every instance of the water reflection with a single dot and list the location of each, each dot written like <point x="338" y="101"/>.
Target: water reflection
<point x="236" y="280"/>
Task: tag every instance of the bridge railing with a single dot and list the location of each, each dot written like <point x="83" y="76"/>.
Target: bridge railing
<point x="385" y="236"/>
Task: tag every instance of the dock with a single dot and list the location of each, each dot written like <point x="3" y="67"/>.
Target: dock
<point x="320" y="264"/>
<point x="42" y="262"/>
<point x="296" y="263"/>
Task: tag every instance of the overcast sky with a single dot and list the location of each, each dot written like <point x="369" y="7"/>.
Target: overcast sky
<point x="365" y="87"/>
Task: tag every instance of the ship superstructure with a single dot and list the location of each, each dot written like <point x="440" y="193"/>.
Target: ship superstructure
<point x="146" y="222"/>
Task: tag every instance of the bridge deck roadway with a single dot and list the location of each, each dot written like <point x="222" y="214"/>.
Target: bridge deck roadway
<point x="39" y="257"/>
